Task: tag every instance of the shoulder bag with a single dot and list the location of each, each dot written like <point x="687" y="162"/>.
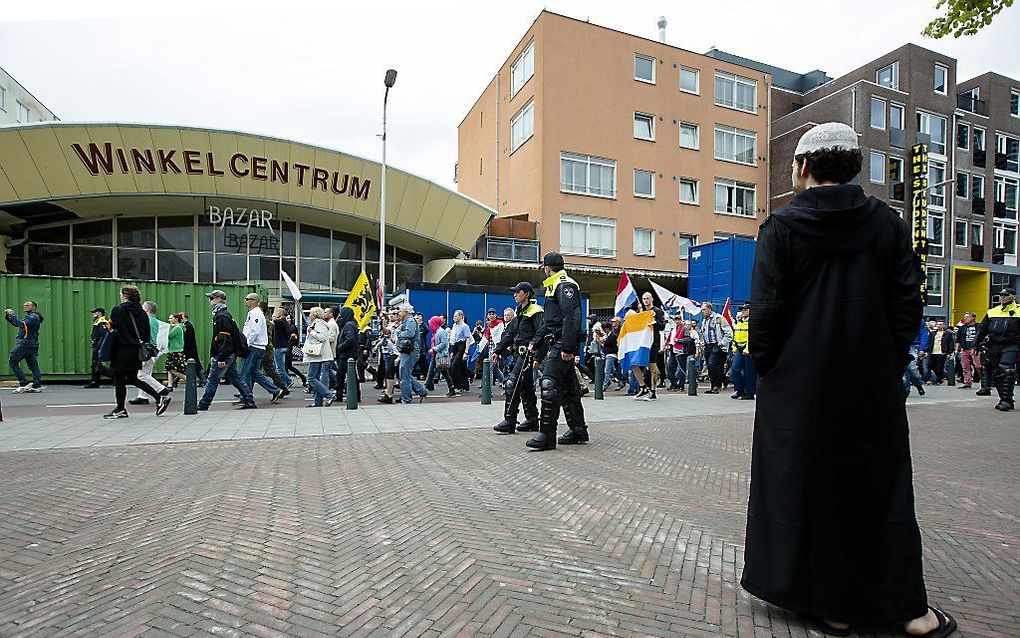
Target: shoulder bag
<point x="146" y="350"/>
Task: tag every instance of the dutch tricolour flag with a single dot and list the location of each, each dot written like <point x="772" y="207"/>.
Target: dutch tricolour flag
<point x="635" y="339"/>
<point x="625" y="295"/>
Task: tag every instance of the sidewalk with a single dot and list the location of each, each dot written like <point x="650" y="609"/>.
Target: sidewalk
<point x="77" y="430"/>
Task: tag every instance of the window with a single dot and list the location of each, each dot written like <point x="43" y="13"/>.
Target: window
<point x="644" y="126"/>
<point x="977" y="186"/>
<point x="1010" y="147"/>
<point x="689" y="134"/>
<point x="977" y="234"/>
<point x="877" y="113"/>
<point x="979" y="139"/>
<point x="522" y="69"/>
<point x="1006" y="192"/>
<point x="941" y="79"/>
<point x="3" y="98"/>
<point x="735" y="92"/>
<point x="690" y="80"/>
<point x="585" y="235"/>
<point x="962" y="135"/>
<point x="889" y="76"/>
<point x="877" y="171"/>
<point x="644" y="184"/>
<point x="936" y="231"/>
<point x="734" y="198"/>
<point x="587" y="175"/>
<point x="735" y="145"/>
<point x="522" y="126"/>
<point x="644" y="241"/>
<point x="935" y="127"/>
<point x="962" y="185"/>
<point x="686" y="241"/>
<point x="895" y="170"/>
<point x="688" y="191"/>
<point x="896" y="116"/>
<point x="644" y="69"/>
<point x="960" y="234"/>
<point x="1014" y="102"/>
<point x="22" y="115"/>
<point x="936" y="175"/>
<point x="1004" y="236"/>
<point x="934" y="276"/>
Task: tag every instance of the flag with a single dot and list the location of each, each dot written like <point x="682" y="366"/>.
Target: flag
<point x="727" y="315"/>
<point x="291" y="286"/>
<point x="625" y="295"/>
<point x="635" y="340"/>
<point x="361" y="301"/>
<point x="674" y="301"/>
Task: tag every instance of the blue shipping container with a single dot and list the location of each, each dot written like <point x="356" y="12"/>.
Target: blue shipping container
<point x="721" y="270"/>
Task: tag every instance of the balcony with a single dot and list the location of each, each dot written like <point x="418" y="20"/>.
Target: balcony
<point x="509" y="239"/>
<point x="979" y="158"/>
<point x="968" y="103"/>
<point x="977" y="205"/>
<point x="977" y="252"/>
<point x="1000" y="162"/>
<point x="897" y="138"/>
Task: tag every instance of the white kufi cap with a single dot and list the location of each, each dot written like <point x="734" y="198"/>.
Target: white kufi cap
<point x="831" y="135"/>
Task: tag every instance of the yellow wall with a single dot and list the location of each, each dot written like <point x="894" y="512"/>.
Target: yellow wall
<point x="969" y="292"/>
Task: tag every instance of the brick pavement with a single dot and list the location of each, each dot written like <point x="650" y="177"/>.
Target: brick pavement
<point x="460" y="533"/>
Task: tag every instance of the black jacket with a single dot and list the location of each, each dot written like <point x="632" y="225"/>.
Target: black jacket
<point x="281" y="333"/>
<point x="561" y="325"/>
<point x="129" y="325"/>
<point x="191" y="343"/>
<point x="966" y="335"/>
<point x="522" y="329"/>
<point x="347" y="341"/>
<point x="611" y="345"/>
<point x="99" y="329"/>
<point x="1000" y="327"/>
<point x="224" y="335"/>
<point x="948" y="342"/>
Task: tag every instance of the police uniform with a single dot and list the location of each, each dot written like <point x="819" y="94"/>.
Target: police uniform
<point x="100" y="328"/>
<point x="742" y="371"/>
<point x="561" y="330"/>
<point x="519" y="384"/>
<point x="1001" y="328"/>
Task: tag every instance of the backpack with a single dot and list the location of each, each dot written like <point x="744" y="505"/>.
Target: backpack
<point x="241" y="348"/>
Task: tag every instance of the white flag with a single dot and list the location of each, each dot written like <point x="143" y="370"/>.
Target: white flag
<point x="675" y="301"/>
<point x="294" y="292"/>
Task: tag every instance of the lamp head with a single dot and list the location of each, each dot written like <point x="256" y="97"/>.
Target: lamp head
<point x="391" y="78"/>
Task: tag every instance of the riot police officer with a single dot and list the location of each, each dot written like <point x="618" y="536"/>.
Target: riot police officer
<point x="520" y="384"/>
<point x="1001" y="328"/>
<point x="561" y="331"/>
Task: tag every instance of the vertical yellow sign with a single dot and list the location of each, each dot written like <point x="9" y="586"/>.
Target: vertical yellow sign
<point x="919" y="209"/>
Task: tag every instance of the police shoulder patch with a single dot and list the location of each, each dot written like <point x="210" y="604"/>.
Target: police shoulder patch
<point x="568" y="291"/>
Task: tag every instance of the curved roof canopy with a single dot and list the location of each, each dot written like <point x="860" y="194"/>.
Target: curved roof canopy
<point x="58" y="170"/>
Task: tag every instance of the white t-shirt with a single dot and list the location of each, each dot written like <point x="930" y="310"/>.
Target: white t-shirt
<point x="255" y="328"/>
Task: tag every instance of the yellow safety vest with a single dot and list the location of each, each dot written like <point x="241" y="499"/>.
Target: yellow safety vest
<point x="740" y="334"/>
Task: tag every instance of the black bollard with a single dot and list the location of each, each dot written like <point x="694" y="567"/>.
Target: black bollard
<point x="352" y="385"/>
<point x="486" y="382"/>
<point x="600" y="373"/>
<point x="190" y="389"/>
<point x="692" y="377"/>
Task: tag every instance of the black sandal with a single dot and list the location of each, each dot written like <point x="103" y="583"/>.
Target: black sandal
<point x="947" y="626"/>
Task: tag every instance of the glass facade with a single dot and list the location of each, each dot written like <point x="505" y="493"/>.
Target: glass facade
<point x="190" y="248"/>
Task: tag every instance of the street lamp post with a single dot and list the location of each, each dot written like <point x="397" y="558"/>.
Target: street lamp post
<point x="389" y="81"/>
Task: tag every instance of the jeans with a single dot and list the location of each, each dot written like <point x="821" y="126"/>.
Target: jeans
<point x="280" y="361"/>
<point x="29" y="354"/>
<point x="609" y="373"/>
<point x="676" y="369"/>
<point x="715" y="359"/>
<point x="216" y="373"/>
<point x="912" y="376"/>
<point x="408" y="382"/>
<point x="743" y="374"/>
<point x="318" y="379"/>
<point x="251" y="371"/>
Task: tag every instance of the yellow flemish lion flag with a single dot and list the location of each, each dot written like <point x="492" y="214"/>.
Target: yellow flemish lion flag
<point x="362" y="301"/>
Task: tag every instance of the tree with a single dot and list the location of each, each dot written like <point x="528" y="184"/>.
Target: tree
<point x="964" y="17"/>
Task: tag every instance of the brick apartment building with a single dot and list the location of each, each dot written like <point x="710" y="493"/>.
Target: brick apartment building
<point x="617" y="151"/>
<point x="972" y="128"/>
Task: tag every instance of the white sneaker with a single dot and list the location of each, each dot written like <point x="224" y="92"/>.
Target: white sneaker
<point x="31" y="389"/>
<point x="24" y="388"/>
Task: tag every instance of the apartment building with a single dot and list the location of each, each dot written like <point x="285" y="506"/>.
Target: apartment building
<point x="18" y="105"/>
<point x="909" y="96"/>
<point x="616" y="150"/>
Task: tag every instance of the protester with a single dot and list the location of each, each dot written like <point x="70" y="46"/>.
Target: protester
<point x="330" y="314"/>
<point x="940" y="344"/>
<point x="191" y="350"/>
<point x="281" y="345"/>
<point x="441" y="353"/>
<point x="269" y="357"/>
<point x="389" y="356"/>
<point x="676" y="352"/>
<point x="100" y="328"/>
<point x="1001" y="329"/>
<point x="129" y="330"/>
<point x="966" y="345"/>
<point x="649" y="377"/>
<point x="224" y="351"/>
<point x="294" y="336"/>
<point x="319" y="355"/>
<point x="26" y="347"/>
<point x="716" y="335"/>
<point x="145" y="375"/>
<point x="176" y="364"/>
<point x="520" y="382"/>
<point x="611" y="350"/>
<point x="742" y="370"/>
<point x="460" y="334"/>
<point x="500" y="364"/>
<point x="831" y="528"/>
<point x="408" y="343"/>
<point x="346" y="348"/>
<point x="257" y="336"/>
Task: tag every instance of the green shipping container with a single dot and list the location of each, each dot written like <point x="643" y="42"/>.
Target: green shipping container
<point x="65" y="349"/>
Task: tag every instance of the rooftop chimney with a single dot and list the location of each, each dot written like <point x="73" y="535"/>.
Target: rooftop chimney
<point x="662" y="29"/>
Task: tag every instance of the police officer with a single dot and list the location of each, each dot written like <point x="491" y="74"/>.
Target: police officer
<point x="561" y="330"/>
<point x="520" y="384"/>
<point x="100" y="327"/>
<point x="1001" y="328"/>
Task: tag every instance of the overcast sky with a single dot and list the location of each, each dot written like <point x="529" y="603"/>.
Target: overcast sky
<point x="314" y="73"/>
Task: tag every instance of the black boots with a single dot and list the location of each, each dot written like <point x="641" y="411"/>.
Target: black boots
<point x="574" y="437"/>
<point x="506" y="426"/>
<point x="545" y="438"/>
<point x="531" y="425"/>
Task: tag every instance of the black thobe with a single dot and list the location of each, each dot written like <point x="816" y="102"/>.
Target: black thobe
<point x="831" y="529"/>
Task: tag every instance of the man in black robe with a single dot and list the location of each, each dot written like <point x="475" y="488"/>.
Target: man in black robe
<point x="831" y="530"/>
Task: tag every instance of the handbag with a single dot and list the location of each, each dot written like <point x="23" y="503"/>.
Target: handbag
<point x="443" y="362"/>
<point x="146" y="350"/>
<point x="312" y="348"/>
<point x="296" y="354"/>
<point x="405" y="345"/>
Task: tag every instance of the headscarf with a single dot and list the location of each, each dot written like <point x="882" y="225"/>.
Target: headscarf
<point x="435" y="323"/>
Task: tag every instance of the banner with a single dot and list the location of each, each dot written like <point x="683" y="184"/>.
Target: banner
<point x="919" y="210"/>
<point x="635" y="340"/>
<point x="362" y="301"/>
<point x="674" y="301"/>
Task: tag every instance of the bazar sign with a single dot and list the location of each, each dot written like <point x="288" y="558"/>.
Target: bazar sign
<point x="112" y="159"/>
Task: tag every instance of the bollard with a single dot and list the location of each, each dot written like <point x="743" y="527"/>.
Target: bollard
<point x="352" y="385"/>
<point x="600" y="373"/>
<point x="486" y="382"/>
<point x="190" y="389"/>
<point x="692" y="377"/>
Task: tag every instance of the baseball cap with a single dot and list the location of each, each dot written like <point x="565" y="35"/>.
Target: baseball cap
<point x="525" y="286"/>
<point x="99" y="309"/>
<point x="831" y="135"/>
<point x="553" y="260"/>
<point x="253" y="296"/>
<point x="217" y="293"/>
<point x="492" y="310"/>
<point x="1008" y="291"/>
